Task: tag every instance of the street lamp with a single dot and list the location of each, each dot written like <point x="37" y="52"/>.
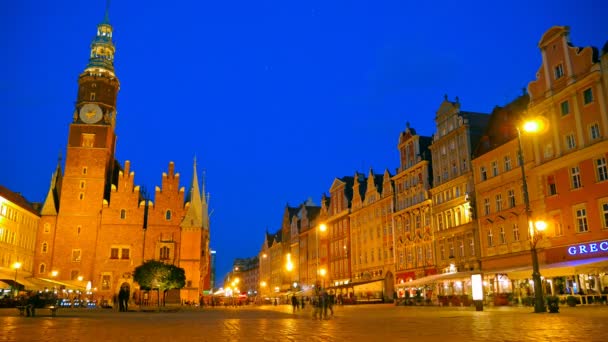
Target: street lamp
<point x="16" y="266"/>
<point x="322" y="227"/>
<point x="533" y="126"/>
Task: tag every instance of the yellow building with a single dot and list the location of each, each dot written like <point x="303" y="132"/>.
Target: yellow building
<point x="18" y="225"/>
<point x="414" y="248"/>
<point x="372" y="260"/>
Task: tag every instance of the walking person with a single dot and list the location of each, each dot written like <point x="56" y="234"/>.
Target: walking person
<point x="294" y="302"/>
<point x="121" y="294"/>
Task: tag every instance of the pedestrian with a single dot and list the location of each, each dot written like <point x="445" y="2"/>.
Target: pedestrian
<point x="126" y="297"/>
<point x="121" y="294"/>
<point x="302" y="303"/>
<point x="324" y="304"/>
<point x="294" y="302"/>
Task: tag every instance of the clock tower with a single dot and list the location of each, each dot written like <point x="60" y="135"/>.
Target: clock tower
<point x="90" y="166"/>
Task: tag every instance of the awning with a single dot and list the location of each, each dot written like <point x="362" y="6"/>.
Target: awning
<point x="565" y="268"/>
<point x="70" y="285"/>
<point x="436" y="278"/>
<point x="22" y="279"/>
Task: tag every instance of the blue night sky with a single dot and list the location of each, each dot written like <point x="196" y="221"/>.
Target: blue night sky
<point x="275" y="98"/>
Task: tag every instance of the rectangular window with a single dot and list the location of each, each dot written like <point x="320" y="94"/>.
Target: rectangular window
<point x="106" y="281"/>
<point x="503" y="237"/>
<point x="472" y="246"/>
<point x="114" y="253"/>
<point x="594" y="131"/>
<point x="588" y="96"/>
<point x="581" y="220"/>
<point x="507" y="163"/>
<point x="570" y="141"/>
<point x="575" y="176"/>
<point x="604" y="214"/>
<point x="442" y="252"/>
<point x="602" y="169"/>
<point x="559" y="228"/>
<point x="483" y="174"/>
<point x="515" y="228"/>
<point x="461" y="248"/>
<point x="486" y="206"/>
<point x="490" y="238"/>
<point x="511" y="195"/>
<point x="565" y="108"/>
<point x="499" y="202"/>
<point x="558" y="71"/>
<point x="494" y="168"/>
<point x="551" y="187"/>
<point x="76" y="255"/>
<point x="124" y="253"/>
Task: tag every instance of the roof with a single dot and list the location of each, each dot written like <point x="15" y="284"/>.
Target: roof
<point x="17" y="199"/>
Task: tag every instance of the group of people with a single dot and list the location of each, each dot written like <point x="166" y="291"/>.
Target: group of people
<point x="322" y="303"/>
<point x="123" y="298"/>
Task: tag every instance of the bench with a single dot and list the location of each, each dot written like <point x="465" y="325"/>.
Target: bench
<point x="23" y="310"/>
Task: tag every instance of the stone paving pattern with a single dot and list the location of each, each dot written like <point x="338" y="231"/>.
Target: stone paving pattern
<point x="381" y="322"/>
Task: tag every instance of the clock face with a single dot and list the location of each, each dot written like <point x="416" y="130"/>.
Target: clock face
<point x="90" y="113"/>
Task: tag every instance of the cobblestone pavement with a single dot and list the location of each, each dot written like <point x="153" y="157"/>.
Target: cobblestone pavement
<point x="277" y="323"/>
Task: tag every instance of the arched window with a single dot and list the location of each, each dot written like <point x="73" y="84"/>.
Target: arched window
<point x="168" y="215"/>
<point x="45" y="248"/>
<point x="42" y="268"/>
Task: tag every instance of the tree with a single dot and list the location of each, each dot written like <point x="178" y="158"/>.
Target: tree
<point x="154" y="274"/>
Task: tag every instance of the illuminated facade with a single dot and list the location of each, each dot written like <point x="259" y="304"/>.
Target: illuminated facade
<point x="454" y="228"/>
<point x="414" y="248"/>
<point x="96" y="225"/>
<point x="335" y="211"/>
<point x="372" y="237"/>
<point x="18" y="225"/>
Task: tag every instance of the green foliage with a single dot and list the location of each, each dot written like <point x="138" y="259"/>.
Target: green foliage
<point x="571" y="301"/>
<point x="154" y="274"/>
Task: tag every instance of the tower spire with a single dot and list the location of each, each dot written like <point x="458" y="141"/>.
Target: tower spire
<point x="106" y="19"/>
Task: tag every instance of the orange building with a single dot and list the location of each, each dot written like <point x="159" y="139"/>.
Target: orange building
<point x="96" y="225"/>
<point x="570" y="158"/>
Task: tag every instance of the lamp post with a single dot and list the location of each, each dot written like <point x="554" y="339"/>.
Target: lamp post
<point x="539" y="301"/>
<point x="16" y="266"/>
<point x="322" y="227"/>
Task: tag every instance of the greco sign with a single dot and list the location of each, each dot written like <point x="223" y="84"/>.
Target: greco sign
<point x="588" y="248"/>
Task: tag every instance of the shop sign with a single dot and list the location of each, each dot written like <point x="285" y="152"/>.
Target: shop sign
<point x="588" y="248"/>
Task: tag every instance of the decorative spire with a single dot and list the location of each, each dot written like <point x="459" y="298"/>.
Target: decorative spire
<point x="193" y="216"/>
<point x="102" y="48"/>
